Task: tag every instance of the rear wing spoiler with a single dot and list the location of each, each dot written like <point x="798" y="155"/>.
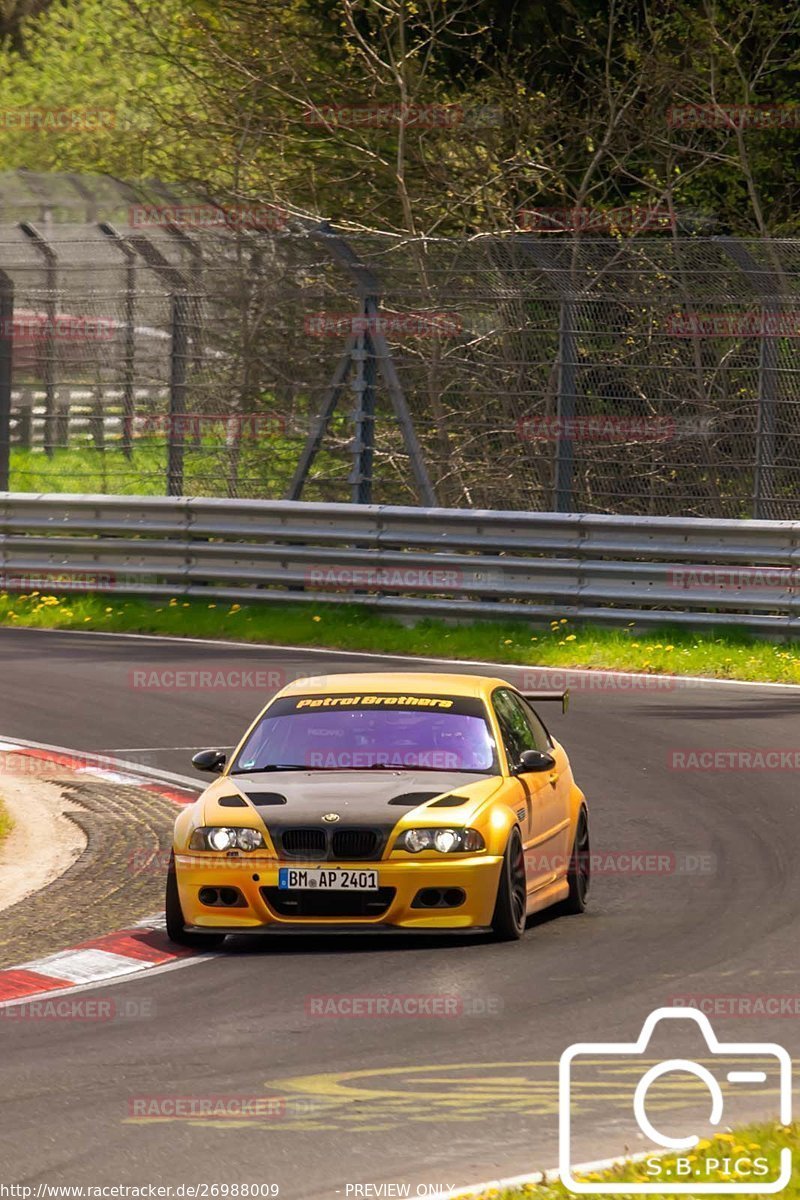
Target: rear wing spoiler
<point x="536" y="697"/>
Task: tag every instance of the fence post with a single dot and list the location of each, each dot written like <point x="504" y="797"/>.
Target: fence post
<point x="196" y="282"/>
<point x="565" y="412"/>
<point x="768" y="396"/>
<point x="52" y="425"/>
<point x="364" y="415"/>
<point x="769" y="285"/>
<point x="60" y="433"/>
<point x="179" y="315"/>
<point x="6" y="344"/>
<point x="177" y="393"/>
<point x="24" y="428"/>
<point x="129" y="368"/>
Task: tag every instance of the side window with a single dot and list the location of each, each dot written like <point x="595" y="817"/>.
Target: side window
<point x="541" y="737"/>
<point x="515" y="728"/>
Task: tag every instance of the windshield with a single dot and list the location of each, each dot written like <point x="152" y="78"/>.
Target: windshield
<point x="370" y="733"/>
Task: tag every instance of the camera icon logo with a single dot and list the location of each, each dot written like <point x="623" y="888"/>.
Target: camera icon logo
<point x="688" y="1177"/>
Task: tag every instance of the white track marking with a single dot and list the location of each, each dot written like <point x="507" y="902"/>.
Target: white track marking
<point x="133" y="769"/>
<point x="707" y="680"/>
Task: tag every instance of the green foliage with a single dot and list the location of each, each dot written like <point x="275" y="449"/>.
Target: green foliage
<point x="526" y="103"/>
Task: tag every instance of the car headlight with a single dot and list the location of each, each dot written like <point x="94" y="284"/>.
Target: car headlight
<point x="446" y="841"/>
<point x="220" y="837"/>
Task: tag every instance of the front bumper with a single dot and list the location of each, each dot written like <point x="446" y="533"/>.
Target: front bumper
<point x="476" y="875"/>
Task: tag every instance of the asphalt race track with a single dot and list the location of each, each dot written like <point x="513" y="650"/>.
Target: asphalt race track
<point x="433" y="1100"/>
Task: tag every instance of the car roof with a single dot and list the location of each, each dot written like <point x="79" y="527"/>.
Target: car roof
<point x="424" y="683"/>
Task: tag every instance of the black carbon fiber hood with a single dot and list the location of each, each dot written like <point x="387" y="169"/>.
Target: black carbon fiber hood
<point x="364" y="798"/>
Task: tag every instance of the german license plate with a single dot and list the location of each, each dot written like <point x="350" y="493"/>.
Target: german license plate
<point x="332" y="881"/>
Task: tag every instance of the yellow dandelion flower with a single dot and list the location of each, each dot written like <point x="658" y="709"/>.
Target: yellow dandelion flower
<point x="316" y="618"/>
<point x="572" y="637"/>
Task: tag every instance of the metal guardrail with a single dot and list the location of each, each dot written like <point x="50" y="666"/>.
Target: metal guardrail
<point x="607" y="570"/>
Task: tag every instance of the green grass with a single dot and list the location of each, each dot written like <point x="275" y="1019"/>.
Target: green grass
<point x="670" y="651"/>
<point x="753" y="1142"/>
<point x="6" y="824"/>
<point x="88" y="469"/>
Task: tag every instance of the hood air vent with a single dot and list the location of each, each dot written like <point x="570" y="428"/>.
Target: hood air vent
<point x="412" y="799"/>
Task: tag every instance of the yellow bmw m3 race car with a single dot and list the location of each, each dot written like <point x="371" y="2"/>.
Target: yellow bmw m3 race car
<point x="382" y="801"/>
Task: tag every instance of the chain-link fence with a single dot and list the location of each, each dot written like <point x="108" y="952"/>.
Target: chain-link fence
<point x="254" y="353"/>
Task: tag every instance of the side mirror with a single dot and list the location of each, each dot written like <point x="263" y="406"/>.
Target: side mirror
<point x="210" y="760"/>
<point x="534" y="760"/>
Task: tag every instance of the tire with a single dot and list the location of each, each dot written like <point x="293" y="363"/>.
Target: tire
<point x="510" y="910"/>
<point x="580" y="871"/>
<point x="175" y="921"/>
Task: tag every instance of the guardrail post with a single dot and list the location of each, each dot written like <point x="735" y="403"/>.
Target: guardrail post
<point x="177" y="393"/>
<point x="6" y="345"/>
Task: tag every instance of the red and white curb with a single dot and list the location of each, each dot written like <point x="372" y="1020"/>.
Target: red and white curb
<point x="126" y="952"/>
<point x="102" y="959"/>
<point x="180" y="788"/>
